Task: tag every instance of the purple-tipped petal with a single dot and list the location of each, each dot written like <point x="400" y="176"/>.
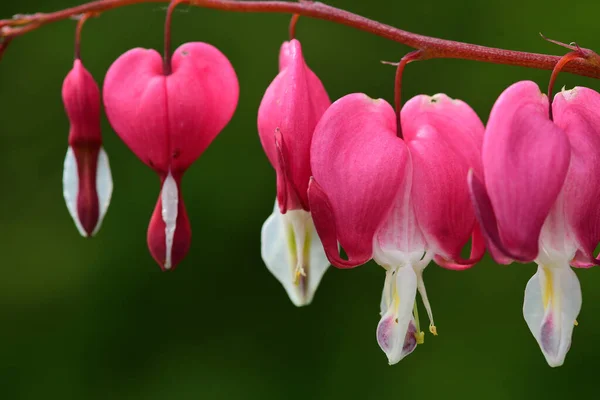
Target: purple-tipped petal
<point x="525" y="161"/>
<point x="358" y="162"/>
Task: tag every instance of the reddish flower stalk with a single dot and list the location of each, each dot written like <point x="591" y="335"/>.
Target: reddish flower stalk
<point x="438" y="48"/>
<point x="168" y="53"/>
<point x="410" y="57"/>
<point x="292" y="28"/>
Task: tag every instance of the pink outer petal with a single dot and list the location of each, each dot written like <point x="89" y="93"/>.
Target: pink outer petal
<point x="444" y="137"/>
<point x="577" y="112"/>
<point x="358" y="162"/>
<point x="81" y="97"/>
<point x="484" y="212"/>
<point x="168" y="121"/>
<point x="292" y="105"/>
<point x="525" y="161"/>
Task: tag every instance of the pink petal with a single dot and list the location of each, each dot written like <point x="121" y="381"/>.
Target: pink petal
<point x="168" y="121"/>
<point x="525" y="161"/>
<point x="81" y="97"/>
<point x="444" y="137"/>
<point x="577" y="112"/>
<point x="484" y="212"/>
<point x="358" y="162"/>
<point x="292" y="105"/>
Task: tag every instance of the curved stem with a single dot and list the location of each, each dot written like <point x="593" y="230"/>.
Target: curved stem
<point x="293" y="23"/>
<point x="438" y="48"/>
<point x="78" y="30"/>
<point x="167" y="56"/>
<point x="574" y="55"/>
<point x="410" y="57"/>
<point x="3" y="45"/>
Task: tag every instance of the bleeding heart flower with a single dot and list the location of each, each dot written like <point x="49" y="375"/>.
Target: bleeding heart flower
<point x="288" y="114"/>
<point x="538" y="201"/>
<point x="87" y="182"/>
<point x="399" y="202"/>
<point x="168" y="121"/>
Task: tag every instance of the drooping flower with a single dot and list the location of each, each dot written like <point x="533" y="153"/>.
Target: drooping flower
<point x="87" y="181"/>
<point x="288" y="114"/>
<point x="168" y="120"/>
<point x="538" y="201"/>
<point x="401" y="202"/>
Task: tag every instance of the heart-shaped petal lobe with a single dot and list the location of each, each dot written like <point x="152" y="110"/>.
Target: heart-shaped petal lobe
<point x="291" y="108"/>
<point x="358" y="165"/>
<point x="525" y="161"/>
<point x="444" y="137"/>
<point x="168" y="121"/>
<point x="577" y="112"/>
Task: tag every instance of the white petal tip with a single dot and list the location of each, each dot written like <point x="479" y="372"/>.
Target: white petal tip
<point x="104" y="187"/>
<point x="292" y="251"/>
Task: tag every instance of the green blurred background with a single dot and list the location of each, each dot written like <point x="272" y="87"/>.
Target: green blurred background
<point x="97" y="319"/>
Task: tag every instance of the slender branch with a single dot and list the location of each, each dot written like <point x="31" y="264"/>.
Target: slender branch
<point x="438" y="48"/>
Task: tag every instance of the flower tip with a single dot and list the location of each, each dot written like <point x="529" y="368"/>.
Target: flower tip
<point x="169" y="233"/>
<point x="293" y="253"/>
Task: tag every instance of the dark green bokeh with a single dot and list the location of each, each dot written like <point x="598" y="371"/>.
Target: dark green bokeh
<point x="96" y="319"/>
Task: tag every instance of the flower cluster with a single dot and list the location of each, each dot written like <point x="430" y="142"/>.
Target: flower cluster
<point x="401" y="187"/>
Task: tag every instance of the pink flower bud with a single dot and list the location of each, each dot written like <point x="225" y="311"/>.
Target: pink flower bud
<point x="168" y="121"/>
<point x="87" y="181"/>
<point x="290" y="109"/>
<point x="288" y="114"/>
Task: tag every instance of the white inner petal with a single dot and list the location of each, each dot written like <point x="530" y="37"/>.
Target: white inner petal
<point x="292" y="251"/>
<point x="104" y="187"/>
<point x="170" y="199"/>
<point x="552" y="304"/>
<point x="396" y="331"/>
<point x="71" y="188"/>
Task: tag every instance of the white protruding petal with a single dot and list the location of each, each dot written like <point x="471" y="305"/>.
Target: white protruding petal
<point x="552" y="304"/>
<point x="71" y="188"/>
<point x="396" y="329"/>
<point x="104" y="187"/>
<point x="170" y="199"/>
<point x="292" y="251"/>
